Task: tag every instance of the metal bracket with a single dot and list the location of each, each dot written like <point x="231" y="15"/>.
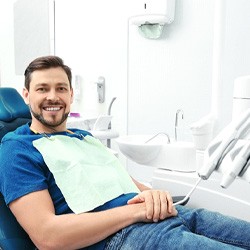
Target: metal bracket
<point x="101" y="89"/>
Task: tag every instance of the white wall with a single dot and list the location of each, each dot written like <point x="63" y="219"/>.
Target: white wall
<point x="20" y="42"/>
<point x="7" y="60"/>
<point x="151" y="79"/>
<point x="91" y="36"/>
<point x="176" y="71"/>
<point x="172" y="72"/>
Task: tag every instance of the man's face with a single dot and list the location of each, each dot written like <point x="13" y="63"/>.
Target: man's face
<point x="49" y="98"/>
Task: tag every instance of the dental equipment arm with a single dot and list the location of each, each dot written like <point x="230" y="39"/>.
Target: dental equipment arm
<point x="224" y="150"/>
<point x="222" y="144"/>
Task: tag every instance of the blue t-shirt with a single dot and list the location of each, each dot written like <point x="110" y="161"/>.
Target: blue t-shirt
<point x="23" y="170"/>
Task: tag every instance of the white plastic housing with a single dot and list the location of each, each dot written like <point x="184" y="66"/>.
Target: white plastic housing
<point x="153" y="12"/>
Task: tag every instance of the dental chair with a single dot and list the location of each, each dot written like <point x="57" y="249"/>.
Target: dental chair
<point x="13" y="113"/>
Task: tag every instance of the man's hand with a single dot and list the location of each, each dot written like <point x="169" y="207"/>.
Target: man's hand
<point x="158" y="204"/>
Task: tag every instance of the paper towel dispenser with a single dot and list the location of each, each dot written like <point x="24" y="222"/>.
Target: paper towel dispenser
<point x="153" y="12"/>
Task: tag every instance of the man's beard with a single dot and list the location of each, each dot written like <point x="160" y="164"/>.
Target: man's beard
<point x="46" y="123"/>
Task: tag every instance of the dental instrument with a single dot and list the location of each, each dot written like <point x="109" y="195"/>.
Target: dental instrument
<point x="223" y="143"/>
<point x="187" y="197"/>
<point x="241" y="160"/>
<point x="218" y="149"/>
<point x="243" y="171"/>
<point x="237" y="165"/>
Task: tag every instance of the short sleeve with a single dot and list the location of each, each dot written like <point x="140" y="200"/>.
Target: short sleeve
<point x="20" y="170"/>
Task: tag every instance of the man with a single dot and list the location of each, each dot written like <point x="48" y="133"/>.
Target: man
<point x="32" y="177"/>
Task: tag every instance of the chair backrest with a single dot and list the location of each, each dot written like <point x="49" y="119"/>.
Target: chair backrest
<point x="13" y="113"/>
<point x="13" y="110"/>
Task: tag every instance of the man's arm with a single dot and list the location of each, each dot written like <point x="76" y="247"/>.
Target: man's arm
<point x="35" y="212"/>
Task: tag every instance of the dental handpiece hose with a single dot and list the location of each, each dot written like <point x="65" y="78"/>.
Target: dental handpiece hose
<point x="238" y="164"/>
<point x="223" y="143"/>
<point x="186" y="198"/>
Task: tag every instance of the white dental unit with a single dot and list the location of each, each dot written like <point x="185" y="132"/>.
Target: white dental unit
<point x="225" y="190"/>
<point x="223" y="165"/>
<point x="213" y="173"/>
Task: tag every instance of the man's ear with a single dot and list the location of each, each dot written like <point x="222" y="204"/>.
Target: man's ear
<point x="26" y="96"/>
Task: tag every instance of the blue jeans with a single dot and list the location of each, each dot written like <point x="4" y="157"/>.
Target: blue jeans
<point x="191" y="229"/>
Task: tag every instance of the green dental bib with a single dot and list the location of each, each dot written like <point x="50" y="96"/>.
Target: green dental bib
<point x="87" y="174"/>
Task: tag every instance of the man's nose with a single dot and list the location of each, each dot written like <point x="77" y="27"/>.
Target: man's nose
<point x="52" y="95"/>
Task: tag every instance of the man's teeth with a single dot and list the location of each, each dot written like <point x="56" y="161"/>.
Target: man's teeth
<point x="52" y="109"/>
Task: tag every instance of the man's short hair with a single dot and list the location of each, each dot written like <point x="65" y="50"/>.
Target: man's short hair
<point x="45" y="62"/>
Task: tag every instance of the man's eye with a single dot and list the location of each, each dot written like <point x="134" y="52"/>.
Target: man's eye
<point x="63" y="89"/>
<point x="41" y="89"/>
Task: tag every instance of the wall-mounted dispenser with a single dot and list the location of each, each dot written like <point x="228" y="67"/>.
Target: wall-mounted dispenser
<point x="152" y="15"/>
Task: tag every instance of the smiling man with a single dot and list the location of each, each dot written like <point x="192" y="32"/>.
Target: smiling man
<point x="69" y="192"/>
<point x="49" y="94"/>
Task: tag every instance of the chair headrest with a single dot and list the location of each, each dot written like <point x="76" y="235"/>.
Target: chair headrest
<point x="12" y="105"/>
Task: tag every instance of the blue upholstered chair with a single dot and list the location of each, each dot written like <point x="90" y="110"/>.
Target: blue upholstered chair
<point x="13" y="113"/>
